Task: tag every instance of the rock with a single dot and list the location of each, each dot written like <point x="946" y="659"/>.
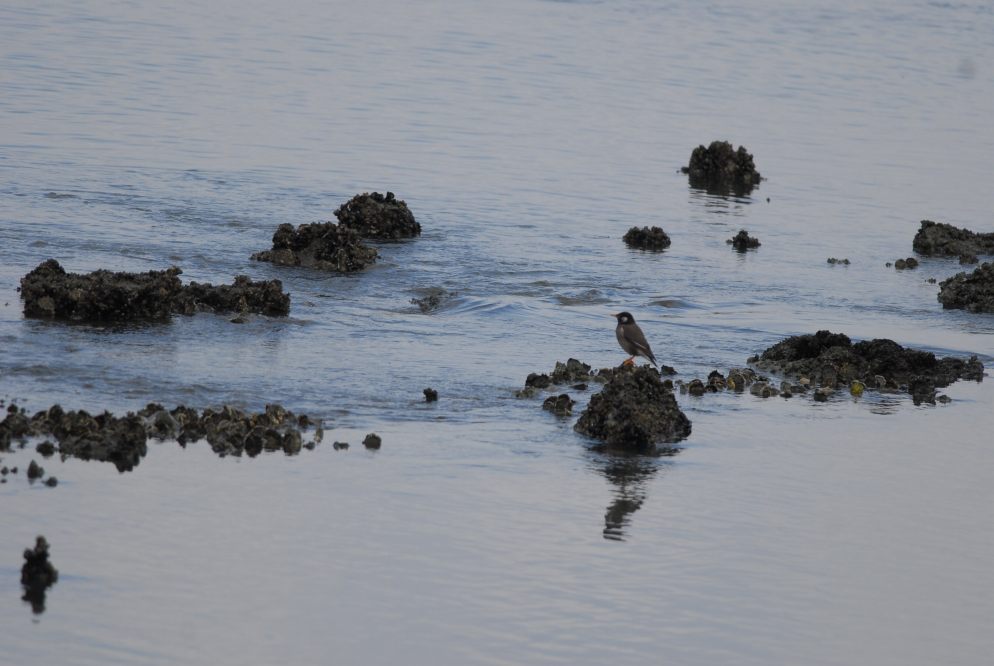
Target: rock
<point x="321" y="245"/>
<point x="831" y="358"/>
<point x="372" y="441"/>
<point x="742" y="241"/>
<point x="35" y="471"/>
<point x="103" y="296"/>
<point x="721" y="169"/>
<point x="559" y="404"/>
<point x="821" y="394"/>
<point x="431" y="395"/>
<point x="763" y="389"/>
<point x="717" y="381"/>
<point x="51" y="482"/>
<point x="433" y="299"/>
<point x="973" y="292"/>
<point x="833" y="260"/>
<point x="696" y="387"/>
<point x="966" y="259"/>
<point x="37" y="574"/>
<point x="647" y="238"/>
<point x="46" y="449"/>
<point x="243" y="295"/>
<point x="856" y="388"/>
<point x="570" y="372"/>
<point x="634" y="412"/>
<point x="909" y="263"/>
<point x="941" y="239"/>
<point x="536" y="380"/>
<point x="378" y="216"/>
<point x="922" y="389"/>
<point x="341" y="446"/>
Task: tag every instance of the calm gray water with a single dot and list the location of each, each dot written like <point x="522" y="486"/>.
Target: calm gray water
<point x="527" y="137"/>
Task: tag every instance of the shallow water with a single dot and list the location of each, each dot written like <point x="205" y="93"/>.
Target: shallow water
<point x="527" y="137"/>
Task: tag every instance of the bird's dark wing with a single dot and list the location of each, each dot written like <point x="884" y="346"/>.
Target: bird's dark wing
<point x="635" y="336"/>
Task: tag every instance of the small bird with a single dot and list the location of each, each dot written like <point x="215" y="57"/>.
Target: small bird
<point x="632" y="339"/>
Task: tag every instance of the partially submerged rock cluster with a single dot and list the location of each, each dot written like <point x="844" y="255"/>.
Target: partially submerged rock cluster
<point x="104" y="296"/>
<point x="123" y="440"/>
<point x="973" y="292"/>
<point x="634" y="412"/>
<point x="901" y="264"/>
<point x="722" y="169"/>
<point x="338" y="246"/>
<point x="832" y="359"/>
<point x="944" y="240"/>
<point x="647" y="238"/>
<point x="742" y="241"/>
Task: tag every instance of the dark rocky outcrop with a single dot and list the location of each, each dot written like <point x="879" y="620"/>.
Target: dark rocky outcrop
<point x="431" y="395"/>
<point x="322" y="245"/>
<point x="941" y="239"/>
<point x="634" y="412"/>
<point x="742" y="241"/>
<point x="383" y="217"/>
<point x="37" y="575"/>
<point x="647" y="238"/>
<point x="722" y="169"/>
<point x="49" y="291"/>
<point x="973" y="292"/>
<point x="832" y="359"/>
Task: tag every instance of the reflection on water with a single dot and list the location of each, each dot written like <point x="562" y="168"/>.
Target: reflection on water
<point x="629" y="476"/>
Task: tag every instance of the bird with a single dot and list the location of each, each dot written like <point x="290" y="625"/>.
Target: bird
<point x="632" y="339"/>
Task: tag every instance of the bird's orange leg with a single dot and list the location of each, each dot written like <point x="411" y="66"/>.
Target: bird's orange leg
<point x="630" y="361"/>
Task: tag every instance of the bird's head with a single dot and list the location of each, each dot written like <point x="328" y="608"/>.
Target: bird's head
<point x="624" y="318"/>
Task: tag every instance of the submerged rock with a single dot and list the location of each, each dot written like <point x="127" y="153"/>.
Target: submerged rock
<point x="322" y="245"/>
<point x="634" y="412"/>
<point x="941" y="239"/>
<point x="105" y="296"/>
<point x="832" y="359"/>
<point x="909" y="263"/>
<point x="383" y="217"/>
<point x="973" y="292"/>
<point x="433" y="299"/>
<point x="742" y="241"/>
<point x="372" y="441"/>
<point x="37" y="575"/>
<point x="559" y="404"/>
<point x="647" y="238"/>
<point x="722" y="169"/>
<point x="431" y="395"/>
<point x="833" y="261"/>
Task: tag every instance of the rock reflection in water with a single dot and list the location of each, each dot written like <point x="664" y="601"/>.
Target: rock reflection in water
<point x="629" y="475"/>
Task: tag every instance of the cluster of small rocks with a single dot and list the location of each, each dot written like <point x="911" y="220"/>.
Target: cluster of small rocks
<point x="834" y="261"/>
<point x="123" y="440"/>
<point x="901" y="264"/>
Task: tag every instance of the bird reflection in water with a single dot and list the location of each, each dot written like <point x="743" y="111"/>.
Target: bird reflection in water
<point x="630" y="475"/>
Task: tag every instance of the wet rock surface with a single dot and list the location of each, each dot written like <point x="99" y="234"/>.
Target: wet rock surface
<point x="634" y="412"/>
<point x="49" y="291"/>
<point x="909" y="263"/>
<point x="722" y="169"/>
<point x="973" y="292"/>
<point x="941" y="239"/>
<point x="383" y="217"/>
<point x="37" y="575"/>
<point x="832" y="360"/>
<point x="321" y="245"/>
<point x="123" y="440"/>
<point x="742" y="241"/>
<point x="647" y="238"/>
